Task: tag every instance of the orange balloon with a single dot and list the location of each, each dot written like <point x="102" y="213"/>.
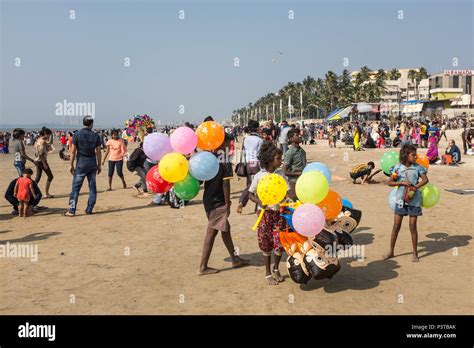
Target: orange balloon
<point x="423" y="160"/>
<point x="331" y="205"/>
<point x="210" y="135"/>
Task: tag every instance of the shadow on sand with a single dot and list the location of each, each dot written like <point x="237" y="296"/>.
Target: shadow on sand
<point x="31" y="237"/>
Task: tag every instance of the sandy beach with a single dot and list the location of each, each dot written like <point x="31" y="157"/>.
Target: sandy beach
<point x="129" y="258"/>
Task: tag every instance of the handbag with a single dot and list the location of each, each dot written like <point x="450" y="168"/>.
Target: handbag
<point x="241" y="167"/>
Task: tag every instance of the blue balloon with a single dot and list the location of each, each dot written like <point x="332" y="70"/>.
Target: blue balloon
<point x="346" y="203"/>
<point x="392" y="199"/>
<point x="319" y="167"/>
<point x="203" y="166"/>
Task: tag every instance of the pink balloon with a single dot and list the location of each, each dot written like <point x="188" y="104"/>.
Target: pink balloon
<point x="183" y="140"/>
<point x="156" y="145"/>
<point x="308" y="219"/>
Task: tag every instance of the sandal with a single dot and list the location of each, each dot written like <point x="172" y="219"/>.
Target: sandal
<point x="67" y="213"/>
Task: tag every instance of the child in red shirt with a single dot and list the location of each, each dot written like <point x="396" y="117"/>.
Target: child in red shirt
<point x="22" y="190"/>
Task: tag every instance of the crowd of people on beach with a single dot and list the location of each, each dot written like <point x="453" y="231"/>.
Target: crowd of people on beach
<point x="266" y="148"/>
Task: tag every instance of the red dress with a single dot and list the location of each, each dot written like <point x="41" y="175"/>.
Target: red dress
<point x="23" y="193"/>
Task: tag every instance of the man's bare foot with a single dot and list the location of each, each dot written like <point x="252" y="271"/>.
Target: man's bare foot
<point x="240" y="262"/>
<point x="278" y="277"/>
<point x="208" y="270"/>
<point x="271" y="280"/>
<point x="109" y="189"/>
<point x="124" y="186"/>
<point x="239" y="209"/>
<point x="416" y="258"/>
<point x="388" y="256"/>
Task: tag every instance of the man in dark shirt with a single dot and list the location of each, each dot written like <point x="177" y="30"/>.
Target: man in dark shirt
<point x="217" y="206"/>
<point x="86" y="146"/>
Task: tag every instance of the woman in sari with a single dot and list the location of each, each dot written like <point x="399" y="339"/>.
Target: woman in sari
<point x="432" y="153"/>
<point x="356" y="137"/>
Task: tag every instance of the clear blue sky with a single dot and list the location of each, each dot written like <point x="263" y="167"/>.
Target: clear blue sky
<point x="190" y="62"/>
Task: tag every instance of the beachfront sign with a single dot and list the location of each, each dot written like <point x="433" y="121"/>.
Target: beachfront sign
<point x="459" y="72"/>
<point x="80" y="109"/>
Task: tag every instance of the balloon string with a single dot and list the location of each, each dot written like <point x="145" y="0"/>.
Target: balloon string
<point x="258" y="220"/>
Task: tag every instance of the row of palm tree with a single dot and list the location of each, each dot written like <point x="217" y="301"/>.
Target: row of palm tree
<point x="322" y="95"/>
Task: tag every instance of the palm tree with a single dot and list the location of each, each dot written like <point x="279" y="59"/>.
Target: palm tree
<point x="394" y="74"/>
<point x="420" y="75"/>
<point x="346" y="88"/>
<point x="362" y="77"/>
<point x="412" y="74"/>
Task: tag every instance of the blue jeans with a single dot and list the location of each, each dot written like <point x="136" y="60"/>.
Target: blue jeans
<point x="78" y="179"/>
<point x="20" y="166"/>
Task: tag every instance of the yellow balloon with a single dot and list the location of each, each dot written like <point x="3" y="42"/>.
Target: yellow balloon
<point x="271" y="189"/>
<point x="173" y="167"/>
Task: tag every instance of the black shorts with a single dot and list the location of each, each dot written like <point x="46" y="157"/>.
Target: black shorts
<point x="119" y="165"/>
<point x="359" y="174"/>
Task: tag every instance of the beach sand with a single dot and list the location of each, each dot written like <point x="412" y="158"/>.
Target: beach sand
<point x="84" y="266"/>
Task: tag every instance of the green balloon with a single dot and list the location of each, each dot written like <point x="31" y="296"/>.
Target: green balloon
<point x="312" y="187"/>
<point x="389" y="159"/>
<point x="429" y="195"/>
<point x="186" y="189"/>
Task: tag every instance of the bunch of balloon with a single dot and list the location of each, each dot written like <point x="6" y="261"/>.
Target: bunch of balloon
<point x="136" y="126"/>
<point x="180" y="167"/>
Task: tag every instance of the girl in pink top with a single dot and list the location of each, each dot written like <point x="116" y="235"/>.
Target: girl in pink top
<point x="116" y="149"/>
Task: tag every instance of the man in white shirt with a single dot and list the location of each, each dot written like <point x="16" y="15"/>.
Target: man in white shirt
<point x="283" y="138"/>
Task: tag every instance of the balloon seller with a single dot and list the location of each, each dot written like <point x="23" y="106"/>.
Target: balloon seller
<point x="406" y="175"/>
<point x="270" y="158"/>
<point x="217" y="205"/>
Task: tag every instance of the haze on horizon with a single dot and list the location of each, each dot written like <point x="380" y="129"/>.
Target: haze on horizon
<point x="183" y="69"/>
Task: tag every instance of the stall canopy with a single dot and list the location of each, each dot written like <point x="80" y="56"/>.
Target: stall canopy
<point x="462" y="100"/>
<point x="339" y="113"/>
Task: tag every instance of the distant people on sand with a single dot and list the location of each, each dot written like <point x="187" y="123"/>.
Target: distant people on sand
<point x="43" y="147"/>
<point x="409" y="177"/>
<point x="467" y="136"/>
<point x="116" y="151"/>
<point x="19" y="154"/>
<point x="86" y="147"/>
<point x="357" y="137"/>
<point x="432" y="153"/>
<point x="364" y="172"/>
<point x="452" y="154"/>
<point x="251" y="148"/>
<point x="283" y="138"/>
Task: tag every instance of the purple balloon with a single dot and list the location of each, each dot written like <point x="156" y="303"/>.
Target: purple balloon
<point x="308" y="220"/>
<point x="156" y="145"/>
<point x="183" y="140"/>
